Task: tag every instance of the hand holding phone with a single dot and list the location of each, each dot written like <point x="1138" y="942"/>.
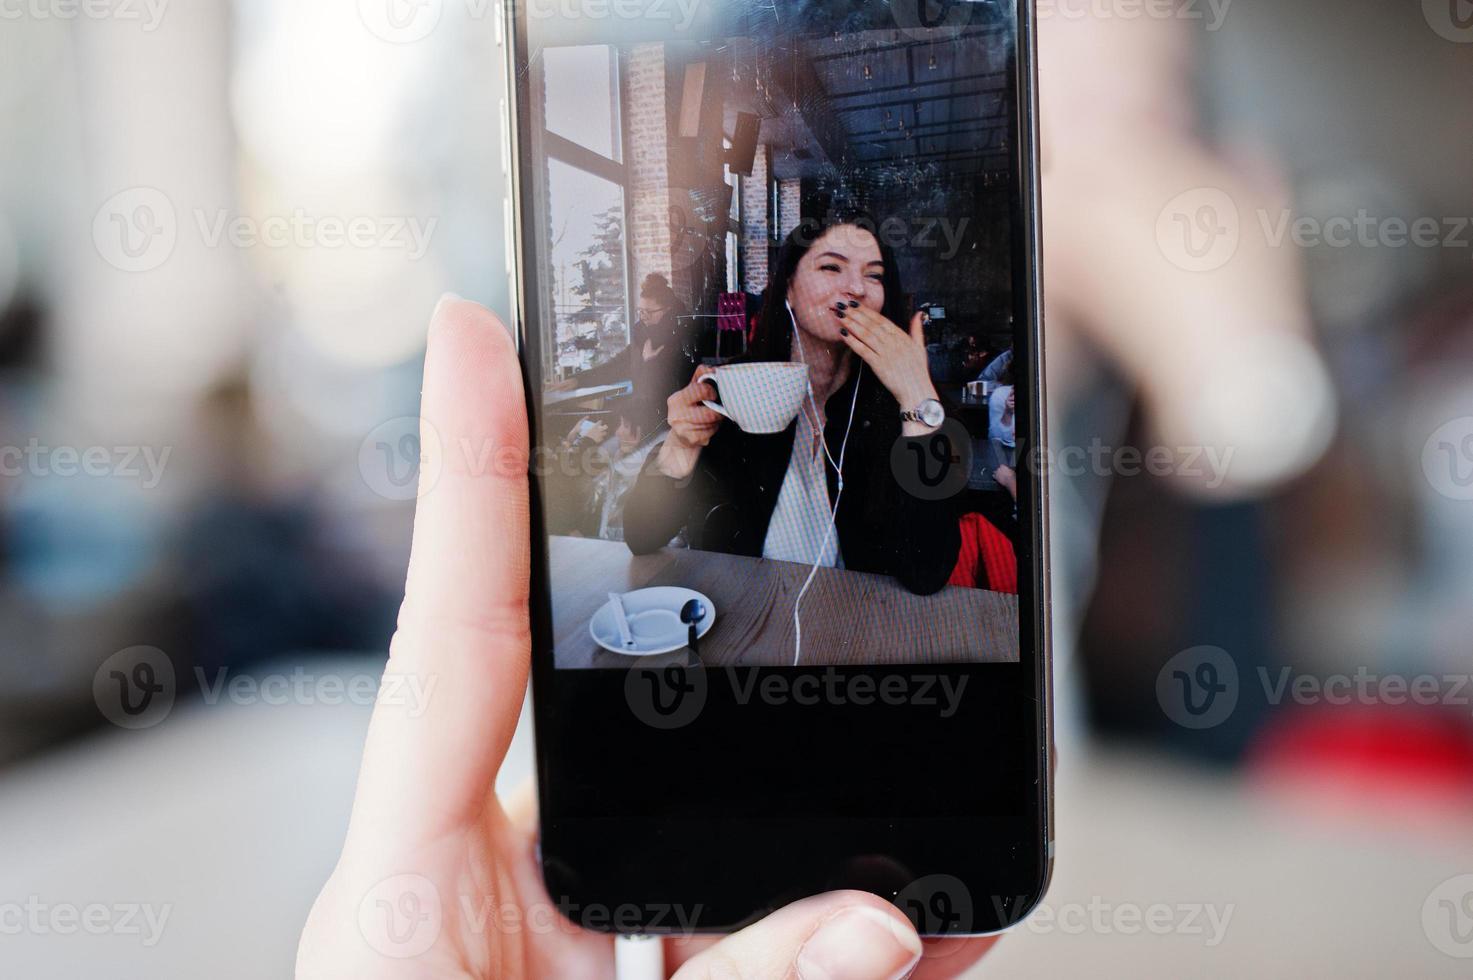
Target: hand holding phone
<point x="591" y="430"/>
<point x="439" y="877"/>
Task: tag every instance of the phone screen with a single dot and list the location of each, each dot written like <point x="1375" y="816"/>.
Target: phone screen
<point x="777" y="301"/>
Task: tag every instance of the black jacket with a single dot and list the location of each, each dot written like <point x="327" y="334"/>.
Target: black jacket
<point x="727" y="502"/>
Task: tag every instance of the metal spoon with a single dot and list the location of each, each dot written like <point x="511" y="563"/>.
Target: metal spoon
<point x="691" y="615"/>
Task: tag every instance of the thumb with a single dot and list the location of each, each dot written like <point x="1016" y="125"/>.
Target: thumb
<point x="460" y="657"/>
<point x="838" y="936"/>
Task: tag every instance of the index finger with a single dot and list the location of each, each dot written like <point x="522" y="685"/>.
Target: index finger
<point x="918" y="321"/>
<point x="698" y="387"/>
<point x="694" y="391"/>
<point x="867" y="320"/>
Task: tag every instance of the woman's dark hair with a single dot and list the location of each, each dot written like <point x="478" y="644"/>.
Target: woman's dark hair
<point x="657" y="288"/>
<point x="772" y="340"/>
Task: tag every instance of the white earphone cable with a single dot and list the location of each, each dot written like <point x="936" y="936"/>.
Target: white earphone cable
<point x="838" y="469"/>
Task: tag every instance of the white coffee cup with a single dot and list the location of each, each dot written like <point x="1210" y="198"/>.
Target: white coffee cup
<point x="761" y="397"/>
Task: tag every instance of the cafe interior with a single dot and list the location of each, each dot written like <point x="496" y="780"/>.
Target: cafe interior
<point x="694" y="160"/>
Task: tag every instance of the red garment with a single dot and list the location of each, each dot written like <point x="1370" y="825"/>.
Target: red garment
<point x="986" y="559"/>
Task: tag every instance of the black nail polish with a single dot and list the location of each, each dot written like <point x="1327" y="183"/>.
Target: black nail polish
<point x="841" y="314"/>
<point x="843" y="331"/>
<point x="854" y="303"/>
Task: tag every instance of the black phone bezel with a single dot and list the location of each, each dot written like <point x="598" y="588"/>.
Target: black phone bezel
<point x="641" y="831"/>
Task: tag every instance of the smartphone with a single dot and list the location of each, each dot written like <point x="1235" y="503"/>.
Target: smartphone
<point x="791" y="633"/>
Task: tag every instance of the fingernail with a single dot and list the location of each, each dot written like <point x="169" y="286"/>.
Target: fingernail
<point x="859" y="944"/>
<point x="445" y="301"/>
<point x="854" y="302"/>
<point x="841" y="314"/>
<point x="843" y="331"/>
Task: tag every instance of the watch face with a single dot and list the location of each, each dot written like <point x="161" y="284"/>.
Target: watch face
<point x="931" y="412"/>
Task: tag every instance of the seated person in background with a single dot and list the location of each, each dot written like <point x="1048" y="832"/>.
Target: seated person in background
<point x="834" y="302"/>
<point x="1007" y="478"/>
<point x="585" y="430"/>
<point x="661" y="354"/>
<point x="1001" y="412"/>
<point x="1000" y="364"/>
<point x="570" y="480"/>
<point x="996" y="499"/>
<point x="1003" y="416"/>
<point x="592" y="475"/>
<point x="974" y="356"/>
<point x="625" y="454"/>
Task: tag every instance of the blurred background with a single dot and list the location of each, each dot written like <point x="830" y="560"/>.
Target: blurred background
<point x="222" y="229"/>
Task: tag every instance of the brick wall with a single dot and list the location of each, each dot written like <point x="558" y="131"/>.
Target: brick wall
<point x="790" y="205"/>
<point x="754" y="225"/>
<point x="649" y="167"/>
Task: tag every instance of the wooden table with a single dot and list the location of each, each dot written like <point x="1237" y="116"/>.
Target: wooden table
<point x="848" y="617"/>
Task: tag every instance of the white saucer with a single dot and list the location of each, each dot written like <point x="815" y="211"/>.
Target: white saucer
<point x="654" y="621"/>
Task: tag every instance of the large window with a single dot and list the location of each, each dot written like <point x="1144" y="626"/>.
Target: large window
<point x="589" y="285"/>
<point x="587" y="234"/>
<point x="583" y="97"/>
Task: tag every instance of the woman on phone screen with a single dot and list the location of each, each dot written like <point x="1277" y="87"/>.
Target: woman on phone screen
<point x="835" y="303"/>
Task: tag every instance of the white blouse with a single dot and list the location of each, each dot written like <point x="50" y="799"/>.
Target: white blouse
<point x="800" y="527"/>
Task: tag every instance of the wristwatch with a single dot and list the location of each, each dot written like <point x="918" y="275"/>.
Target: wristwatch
<point x="928" y="412"/>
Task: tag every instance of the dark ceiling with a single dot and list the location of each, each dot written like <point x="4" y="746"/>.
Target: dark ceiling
<point x="908" y="101"/>
<point x="883" y="98"/>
